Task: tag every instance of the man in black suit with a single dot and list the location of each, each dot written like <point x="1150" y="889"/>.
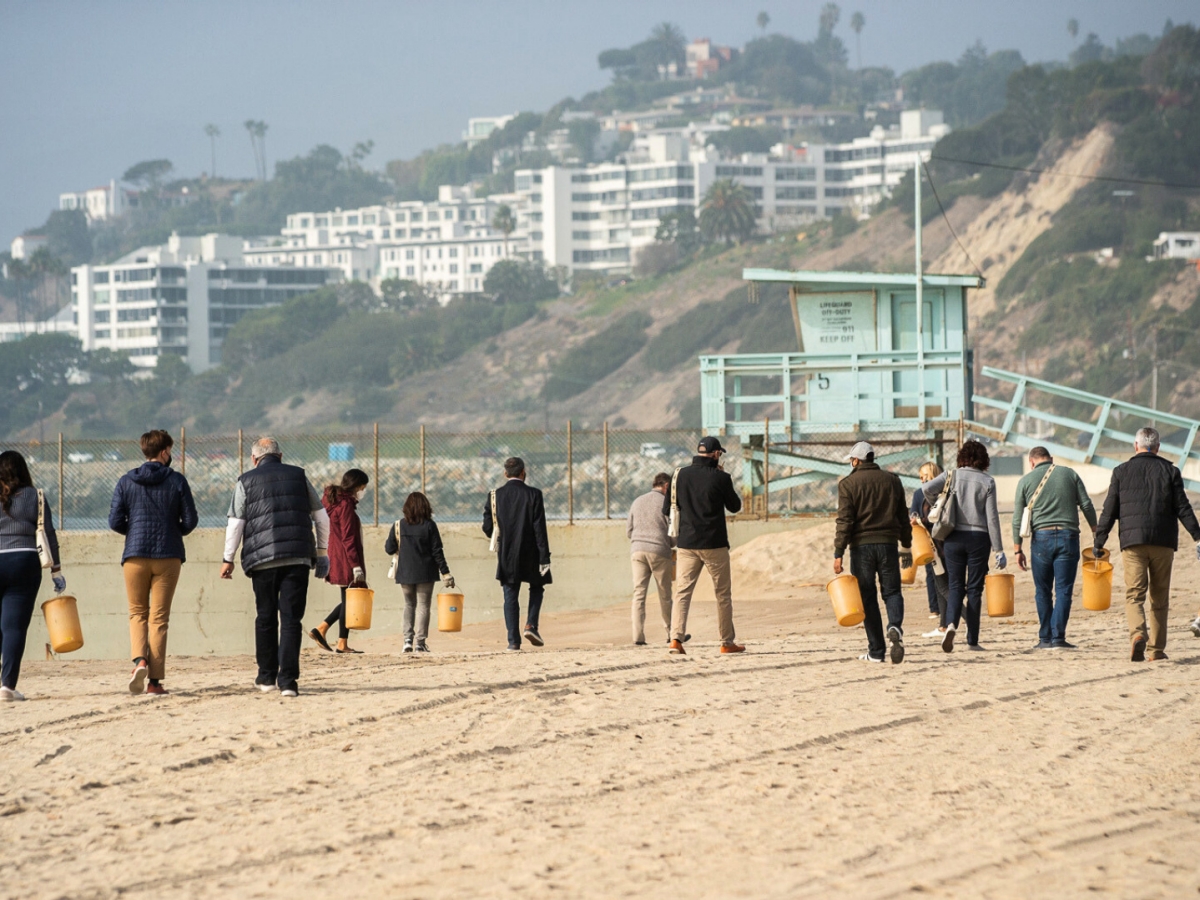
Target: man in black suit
<point x="522" y="548"/>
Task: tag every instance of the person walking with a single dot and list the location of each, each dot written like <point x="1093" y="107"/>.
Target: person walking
<point x="1053" y="495"/>
<point x="976" y="531"/>
<point x="1146" y="494"/>
<point x="21" y="517"/>
<point x="872" y="518"/>
<point x="347" y="567"/>
<point x="697" y="499"/>
<point x="416" y="543"/>
<point x="650" y="552"/>
<point x="935" y="584"/>
<point x="152" y="506"/>
<point x="273" y="515"/>
<point x="514" y="517"/>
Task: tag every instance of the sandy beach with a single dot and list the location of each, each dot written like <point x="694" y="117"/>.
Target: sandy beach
<point x="592" y="768"/>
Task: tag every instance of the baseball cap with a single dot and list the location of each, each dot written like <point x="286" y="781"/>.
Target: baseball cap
<point x="709" y="444"/>
<point x="861" y="450"/>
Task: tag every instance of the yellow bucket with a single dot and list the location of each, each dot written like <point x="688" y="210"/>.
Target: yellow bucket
<point x="1097" y="585"/>
<point x="450" y="612"/>
<point x="909" y="575"/>
<point x="922" y="546"/>
<point x="62" y="622"/>
<point x="847" y="601"/>
<point x="1000" y="590"/>
<point x="358" y="608"/>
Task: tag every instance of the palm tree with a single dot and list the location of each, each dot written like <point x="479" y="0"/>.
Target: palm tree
<point x="857" y="21"/>
<point x="504" y="222"/>
<point x="671" y="43"/>
<point x="258" y="142"/>
<point x="727" y="211"/>
<point x="1073" y="28"/>
<point x="213" y="133"/>
<point x="763" y="20"/>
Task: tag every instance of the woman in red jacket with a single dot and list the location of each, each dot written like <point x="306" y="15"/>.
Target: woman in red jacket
<point x="346" y="564"/>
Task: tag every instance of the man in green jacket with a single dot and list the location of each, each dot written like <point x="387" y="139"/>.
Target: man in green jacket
<point x="872" y="518"/>
<point x="1056" y="495"/>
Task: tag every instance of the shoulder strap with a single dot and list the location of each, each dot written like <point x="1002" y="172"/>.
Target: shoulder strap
<point x="1038" y="492"/>
<point x="41" y="502"/>
<point x="675" y="488"/>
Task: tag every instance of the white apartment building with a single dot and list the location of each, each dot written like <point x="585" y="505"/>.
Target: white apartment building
<point x="447" y="245"/>
<point x="480" y="127"/>
<point x="24" y="245"/>
<point x="109" y="201"/>
<point x="181" y="297"/>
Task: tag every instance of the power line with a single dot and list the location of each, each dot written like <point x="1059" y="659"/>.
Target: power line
<point x="1109" y="178"/>
<point x="947" y="221"/>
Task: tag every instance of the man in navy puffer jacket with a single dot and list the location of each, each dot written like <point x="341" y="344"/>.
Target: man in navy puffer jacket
<point x="153" y="507"/>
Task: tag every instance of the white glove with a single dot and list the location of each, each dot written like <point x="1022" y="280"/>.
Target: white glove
<point x="544" y="570"/>
<point x="60" y="582"/>
<point x="448" y="581"/>
<point x="1001" y="560"/>
<point x="359" y="576"/>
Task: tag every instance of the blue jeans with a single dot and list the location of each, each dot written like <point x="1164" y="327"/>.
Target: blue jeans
<point x="966" y="554"/>
<point x="20" y="578"/>
<point x="1053" y="558"/>
<point x="512" y="611"/>
<point x="882" y="561"/>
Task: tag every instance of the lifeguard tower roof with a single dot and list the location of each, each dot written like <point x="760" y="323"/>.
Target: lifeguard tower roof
<point x="804" y="276"/>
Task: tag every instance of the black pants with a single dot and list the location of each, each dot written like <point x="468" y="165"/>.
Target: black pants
<point x="512" y="610"/>
<point x="882" y="561"/>
<point x="280" y="596"/>
<point x="966" y="567"/>
<point x="20" y="578"/>
<point x="339" y="615"/>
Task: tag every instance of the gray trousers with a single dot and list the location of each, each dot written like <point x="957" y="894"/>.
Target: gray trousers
<point x="417" y="599"/>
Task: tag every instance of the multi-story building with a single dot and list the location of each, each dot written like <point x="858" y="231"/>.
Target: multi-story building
<point x="447" y="245"/>
<point x="109" y="201"/>
<point x="480" y="127"/>
<point x="25" y="245"/>
<point x="181" y="297"/>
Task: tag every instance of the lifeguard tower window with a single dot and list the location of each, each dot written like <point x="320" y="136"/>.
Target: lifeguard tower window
<point x="867" y="360"/>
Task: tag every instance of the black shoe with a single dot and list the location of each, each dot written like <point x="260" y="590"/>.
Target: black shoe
<point x="1138" y="653"/>
<point x="896" y="640"/>
<point x="1063" y="645"/>
<point x="320" y="639"/>
<point x="408" y="648"/>
<point x="975" y="647"/>
<point x="1043" y="645"/>
<point x="642" y="643"/>
<point x="533" y="637"/>
<point x="423" y="647"/>
<point x="511" y="649"/>
<point x="686" y="638"/>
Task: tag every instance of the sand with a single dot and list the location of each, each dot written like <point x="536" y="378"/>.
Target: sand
<point x="596" y="769"/>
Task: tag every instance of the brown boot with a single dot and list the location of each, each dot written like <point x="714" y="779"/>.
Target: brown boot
<point x="1138" y="653"/>
<point x="677" y="648"/>
<point x="733" y="648"/>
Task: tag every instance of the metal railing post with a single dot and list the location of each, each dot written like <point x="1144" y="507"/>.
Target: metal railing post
<point x="61" y="521"/>
<point x="422" y="459"/>
<point x="766" y="470"/>
<point x="182" y="450"/>
<point x="570" y="478"/>
<point x="606" y="469"/>
<point x="241" y="454"/>
<point x="376" y="491"/>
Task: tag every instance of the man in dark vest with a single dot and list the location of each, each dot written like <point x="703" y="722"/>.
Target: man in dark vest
<point x="273" y="514"/>
<point x="522" y="549"/>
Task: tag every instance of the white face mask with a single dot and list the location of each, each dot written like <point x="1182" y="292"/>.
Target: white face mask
<point x="360" y="494"/>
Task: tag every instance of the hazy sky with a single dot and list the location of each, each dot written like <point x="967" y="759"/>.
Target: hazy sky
<point x="92" y="87"/>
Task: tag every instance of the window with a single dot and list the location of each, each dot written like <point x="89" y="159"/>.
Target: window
<point x="409" y="271"/>
<point x="351" y="220"/>
<point x="535" y="235"/>
<point x="661" y="173"/>
<point x="416" y="216"/>
<point x="337" y="220"/>
<point x="100" y="278"/>
<point x="387" y="233"/>
<point x="684" y="191"/>
<point x="613" y="254"/>
<point x="400" y="216"/>
<point x="433" y="215"/>
<point x="439" y="249"/>
<point x="100" y="316"/>
<point x="535" y="198"/>
<point x="101" y="297"/>
<point x="415" y="232"/>
<point x="795" y="173"/>
<point x="537" y="178"/>
<point x="102" y="333"/>
<point x="522" y="182"/>
<point x="733" y="171"/>
<point x="796" y="193"/>
<point x="535" y="217"/>
<point x="453" y="268"/>
<point x="398" y="232"/>
<point x="454" y="253"/>
<point x="322" y="221"/>
<point x="476" y="267"/>
<point x="304" y="222"/>
<point x="316" y="259"/>
<point x="448" y="215"/>
<point x="454" y="285"/>
<point x="369" y="218"/>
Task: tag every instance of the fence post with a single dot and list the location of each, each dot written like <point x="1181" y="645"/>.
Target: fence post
<point x="241" y="456"/>
<point x="376" y="491"/>
<point x="182" y="450"/>
<point x="766" y="470"/>
<point x="606" y="468"/>
<point x="61" y="522"/>
<point x="423" y="491"/>
<point x="570" y="478"/>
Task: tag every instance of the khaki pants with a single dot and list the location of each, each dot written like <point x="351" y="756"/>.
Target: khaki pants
<point x="1148" y="568"/>
<point x="150" y="585"/>
<point x="645" y="566"/>
<point x="689" y="564"/>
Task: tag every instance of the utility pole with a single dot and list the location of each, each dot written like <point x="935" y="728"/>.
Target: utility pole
<point x="1154" y="372"/>
<point x="920" y="293"/>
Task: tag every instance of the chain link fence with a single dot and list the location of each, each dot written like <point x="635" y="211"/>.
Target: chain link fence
<point x="593" y="474"/>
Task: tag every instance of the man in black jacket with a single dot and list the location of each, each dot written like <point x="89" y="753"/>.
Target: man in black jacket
<point x="872" y="517"/>
<point x="700" y="494"/>
<point x="1146" y="494"/>
<point x="522" y="549"/>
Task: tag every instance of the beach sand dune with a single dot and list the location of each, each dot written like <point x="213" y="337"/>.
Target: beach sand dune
<point x="596" y="769"/>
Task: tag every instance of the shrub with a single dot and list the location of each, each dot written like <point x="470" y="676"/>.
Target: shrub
<point x="600" y="355"/>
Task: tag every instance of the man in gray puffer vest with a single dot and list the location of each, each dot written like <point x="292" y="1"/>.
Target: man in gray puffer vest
<point x="274" y="513"/>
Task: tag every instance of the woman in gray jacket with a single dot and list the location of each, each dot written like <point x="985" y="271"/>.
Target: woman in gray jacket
<point x="976" y="532"/>
<point x="415" y="539"/>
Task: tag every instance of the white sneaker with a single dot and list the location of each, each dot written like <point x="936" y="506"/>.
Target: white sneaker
<point x="137" y="679"/>
<point x="867" y="657"/>
<point x="936" y="633"/>
<point x="1195" y="626"/>
<point x="10" y="694"/>
<point x="267" y="688"/>
<point x="290" y="692"/>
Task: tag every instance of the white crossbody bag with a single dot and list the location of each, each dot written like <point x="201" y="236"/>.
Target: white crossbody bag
<point x="1027" y="515"/>
<point x="673" y="524"/>
<point x="43" y="540"/>
<point x="395" y="566"/>
<point x="494" y="544"/>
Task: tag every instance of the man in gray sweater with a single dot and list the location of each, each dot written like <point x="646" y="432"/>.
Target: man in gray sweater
<point x="650" y="549"/>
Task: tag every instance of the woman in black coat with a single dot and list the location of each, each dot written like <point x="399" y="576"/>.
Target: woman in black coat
<point x="417" y="541"/>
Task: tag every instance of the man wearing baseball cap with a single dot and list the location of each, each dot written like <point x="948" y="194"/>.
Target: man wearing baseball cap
<point x="872" y="518"/>
<point x="695" y="504"/>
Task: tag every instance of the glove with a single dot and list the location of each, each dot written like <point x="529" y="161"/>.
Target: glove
<point x="60" y="582"/>
<point x="906" y="559"/>
<point x="448" y="582"/>
<point x="358" y="576"/>
<point x="1098" y="550"/>
<point x="322" y="570"/>
<point x="1001" y="560"/>
<point x="544" y="570"/>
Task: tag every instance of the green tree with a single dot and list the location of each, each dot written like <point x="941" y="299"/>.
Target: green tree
<point x="727" y="211"/>
<point x="857" y="22"/>
<point x="681" y="229"/>
<point x="671" y="43"/>
<point x="1073" y="29"/>
<point x="518" y="281"/>
<point x="504" y="222"/>
<point x="763" y="20"/>
<point x="403" y="294"/>
<point x="149" y="173"/>
<point x="583" y="134"/>
<point x="212" y="132"/>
